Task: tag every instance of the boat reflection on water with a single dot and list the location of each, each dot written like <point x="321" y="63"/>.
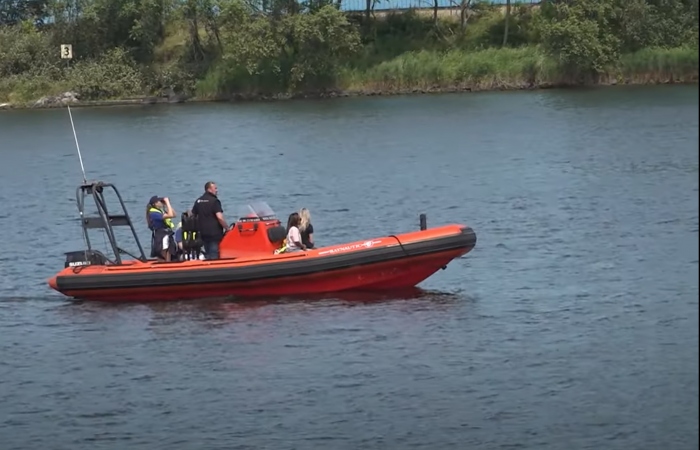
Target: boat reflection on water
<point x="399" y="301"/>
<point x="267" y="319"/>
<point x="351" y="298"/>
<point x="231" y="308"/>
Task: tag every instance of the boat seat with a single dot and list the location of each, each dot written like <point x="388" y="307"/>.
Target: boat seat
<point x="276" y="234"/>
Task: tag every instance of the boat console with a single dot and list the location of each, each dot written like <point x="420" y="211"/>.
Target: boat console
<point x="257" y="230"/>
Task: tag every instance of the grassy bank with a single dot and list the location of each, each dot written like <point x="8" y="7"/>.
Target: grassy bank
<point x="413" y="72"/>
<point x="225" y="49"/>
<point x="516" y="68"/>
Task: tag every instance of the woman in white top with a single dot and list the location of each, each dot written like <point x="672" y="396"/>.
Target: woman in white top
<point x="294" y="243"/>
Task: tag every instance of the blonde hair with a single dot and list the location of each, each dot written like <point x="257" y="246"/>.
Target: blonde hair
<point x="305" y="216"/>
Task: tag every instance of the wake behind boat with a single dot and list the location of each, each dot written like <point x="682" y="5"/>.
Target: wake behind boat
<point x="249" y="265"/>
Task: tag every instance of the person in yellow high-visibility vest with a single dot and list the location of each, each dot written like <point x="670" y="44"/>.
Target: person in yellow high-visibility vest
<point x="158" y="216"/>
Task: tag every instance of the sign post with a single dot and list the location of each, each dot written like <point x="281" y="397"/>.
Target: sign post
<point x="67" y="53"/>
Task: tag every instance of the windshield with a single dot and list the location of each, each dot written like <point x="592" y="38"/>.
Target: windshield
<point x="256" y="211"/>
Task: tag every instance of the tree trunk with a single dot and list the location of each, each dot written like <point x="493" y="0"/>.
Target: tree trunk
<point x="192" y="12"/>
<point x="435" y="12"/>
<point x="197" y="51"/>
<point x="463" y="7"/>
<point x="505" y="32"/>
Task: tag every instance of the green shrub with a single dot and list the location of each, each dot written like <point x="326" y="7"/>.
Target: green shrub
<point x="23" y="49"/>
<point x="113" y="75"/>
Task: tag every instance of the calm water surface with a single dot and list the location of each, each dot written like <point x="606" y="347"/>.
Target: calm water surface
<point x="572" y="324"/>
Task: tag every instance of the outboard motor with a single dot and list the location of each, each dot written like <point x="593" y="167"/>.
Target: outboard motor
<point x="85" y="258"/>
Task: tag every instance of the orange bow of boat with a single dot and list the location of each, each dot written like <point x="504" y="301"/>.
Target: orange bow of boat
<point x="249" y="265"/>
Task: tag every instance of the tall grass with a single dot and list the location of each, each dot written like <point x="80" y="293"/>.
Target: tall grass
<point x="506" y="68"/>
<point x="660" y="65"/>
<point x="513" y="68"/>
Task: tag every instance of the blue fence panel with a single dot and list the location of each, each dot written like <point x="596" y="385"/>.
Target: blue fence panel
<point x="361" y="5"/>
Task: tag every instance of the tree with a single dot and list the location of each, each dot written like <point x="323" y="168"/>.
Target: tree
<point x="579" y="34"/>
<point x="15" y="11"/>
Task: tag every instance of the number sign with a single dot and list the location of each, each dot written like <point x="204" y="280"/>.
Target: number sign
<point x="66" y="51"/>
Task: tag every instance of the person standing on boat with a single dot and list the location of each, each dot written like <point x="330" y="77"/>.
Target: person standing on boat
<point x="306" y="229"/>
<point x="210" y="219"/>
<point x="162" y="228"/>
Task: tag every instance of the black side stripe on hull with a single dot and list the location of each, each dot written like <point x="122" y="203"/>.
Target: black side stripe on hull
<point x="296" y="267"/>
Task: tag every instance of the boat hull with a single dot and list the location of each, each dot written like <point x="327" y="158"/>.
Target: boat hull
<point x="393" y="262"/>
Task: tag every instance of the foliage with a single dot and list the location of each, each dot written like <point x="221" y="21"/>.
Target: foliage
<point x="488" y="30"/>
<point x="588" y="35"/>
<point x="219" y="48"/>
<point x="23" y="49"/>
<point x="578" y="34"/>
<point x="295" y="53"/>
<point x="112" y="75"/>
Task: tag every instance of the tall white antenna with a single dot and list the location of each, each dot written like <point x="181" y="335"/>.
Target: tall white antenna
<point x="67" y="54"/>
<point x="80" y="157"/>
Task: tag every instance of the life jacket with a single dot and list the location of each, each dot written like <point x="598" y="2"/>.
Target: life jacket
<point x="169" y="229"/>
<point x="190" y="230"/>
<point x="282" y="249"/>
<point x="191" y="240"/>
<point x="167" y="221"/>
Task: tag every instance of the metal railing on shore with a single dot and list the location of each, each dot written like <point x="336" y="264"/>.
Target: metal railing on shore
<point x="380" y="5"/>
<point x="402" y="5"/>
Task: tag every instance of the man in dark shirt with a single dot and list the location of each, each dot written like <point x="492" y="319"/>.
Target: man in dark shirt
<point x="210" y="220"/>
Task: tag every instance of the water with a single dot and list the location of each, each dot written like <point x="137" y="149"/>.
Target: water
<point x="572" y="324"/>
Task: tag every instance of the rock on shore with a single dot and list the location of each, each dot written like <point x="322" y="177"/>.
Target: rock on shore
<point x="60" y="99"/>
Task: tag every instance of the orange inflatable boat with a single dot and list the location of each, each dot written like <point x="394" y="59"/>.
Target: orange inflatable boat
<point x="249" y="264"/>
